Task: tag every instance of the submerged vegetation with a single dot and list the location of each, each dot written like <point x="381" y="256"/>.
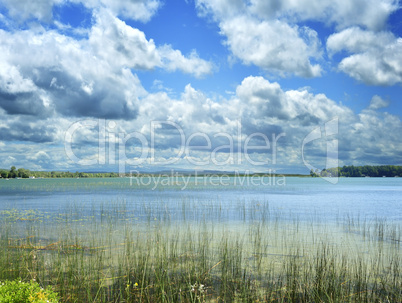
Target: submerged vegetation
<point x="194" y="253"/>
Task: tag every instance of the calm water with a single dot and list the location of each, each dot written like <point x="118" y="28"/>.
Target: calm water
<point x="272" y="219"/>
<point x="226" y="198"/>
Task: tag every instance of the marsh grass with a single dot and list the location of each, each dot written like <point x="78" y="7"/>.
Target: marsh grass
<point x="108" y="253"/>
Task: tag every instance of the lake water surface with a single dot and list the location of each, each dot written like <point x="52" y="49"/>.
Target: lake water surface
<point x="251" y="230"/>
<point x="367" y="198"/>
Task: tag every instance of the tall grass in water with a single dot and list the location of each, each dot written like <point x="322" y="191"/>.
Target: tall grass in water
<point x="196" y="254"/>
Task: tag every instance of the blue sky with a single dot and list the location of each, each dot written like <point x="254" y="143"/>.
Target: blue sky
<point x="83" y="82"/>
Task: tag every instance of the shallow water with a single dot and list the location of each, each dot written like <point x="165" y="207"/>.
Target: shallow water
<point x="299" y="210"/>
<point x="266" y="225"/>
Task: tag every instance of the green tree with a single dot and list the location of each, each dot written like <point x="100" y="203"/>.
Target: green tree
<point x="313" y="174"/>
<point x="23" y="173"/>
<point x="4" y="173"/>
<point x="12" y="173"/>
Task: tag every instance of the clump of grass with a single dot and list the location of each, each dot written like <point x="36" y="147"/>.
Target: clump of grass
<point x="18" y="291"/>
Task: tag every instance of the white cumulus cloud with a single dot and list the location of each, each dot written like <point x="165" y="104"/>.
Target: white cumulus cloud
<point x="46" y="71"/>
<point x="272" y="34"/>
<point x="122" y="45"/>
<point x="141" y="10"/>
<point x="261" y="106"/>
<point x="374" y="56"/>
<point x="371" y="14"/>
<point x="22" y="10"/>
<point x="377" y="102"/>
<point x="273" y="45"/>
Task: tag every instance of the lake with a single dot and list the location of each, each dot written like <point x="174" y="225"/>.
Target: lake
<point x="305" y="197"/>
<point x="205" y="239"/>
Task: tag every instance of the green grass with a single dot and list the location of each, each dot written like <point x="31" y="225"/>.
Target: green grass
<point x="21" y="292"/>
<point x="108" y="254"/>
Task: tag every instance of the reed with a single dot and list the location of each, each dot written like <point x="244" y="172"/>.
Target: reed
<point x="195" y="253"/>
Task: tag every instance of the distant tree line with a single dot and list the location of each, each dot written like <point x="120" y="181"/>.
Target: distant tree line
<point x="345" y="171"/>
<point x="14" y="173"/>
<point x="26" y="173"/>
<point x="360" y="171"/>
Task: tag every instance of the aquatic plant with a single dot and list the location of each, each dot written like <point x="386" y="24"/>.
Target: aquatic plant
<point x="192" y="253"/>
